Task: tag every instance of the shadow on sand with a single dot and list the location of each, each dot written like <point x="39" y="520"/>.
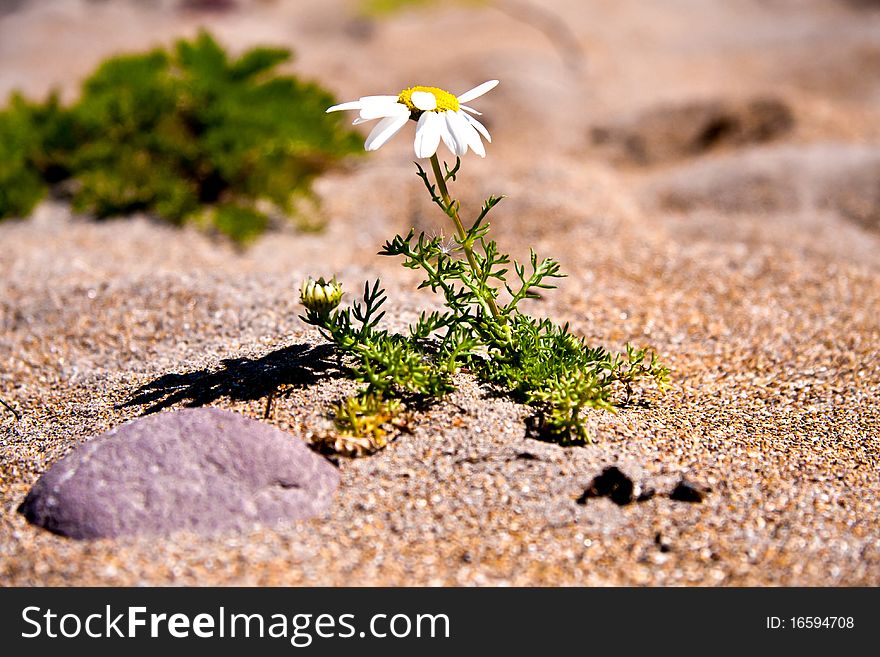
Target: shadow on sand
<point x="239" y="379"/>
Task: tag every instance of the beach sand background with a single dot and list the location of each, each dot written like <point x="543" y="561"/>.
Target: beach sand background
<point x="707" y="173"/>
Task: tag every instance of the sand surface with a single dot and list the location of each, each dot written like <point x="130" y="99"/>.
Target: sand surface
<point x="749" y="258"/>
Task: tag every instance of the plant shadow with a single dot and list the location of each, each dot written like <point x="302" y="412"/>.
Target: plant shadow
<point x="239" y="379"/>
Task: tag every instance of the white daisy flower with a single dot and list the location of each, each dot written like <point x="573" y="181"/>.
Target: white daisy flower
<point x="439" y="114"/>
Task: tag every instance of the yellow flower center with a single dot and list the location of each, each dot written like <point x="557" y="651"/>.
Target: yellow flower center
<point x="445" y="100"/>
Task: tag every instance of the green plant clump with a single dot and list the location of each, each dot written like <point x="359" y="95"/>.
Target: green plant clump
<point x="184" y="134"/>
<point x="481" y="329"/>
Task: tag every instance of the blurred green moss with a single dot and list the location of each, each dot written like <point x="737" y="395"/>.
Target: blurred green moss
<point x="378" y="8"/>
<point x="172" y="132"/>
<point x="383" y="7"/>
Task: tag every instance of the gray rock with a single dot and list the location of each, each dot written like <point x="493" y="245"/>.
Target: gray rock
<point x="202" y="470"/>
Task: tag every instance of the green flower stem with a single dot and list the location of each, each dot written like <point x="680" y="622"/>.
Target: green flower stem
<point x="462" y="234"/>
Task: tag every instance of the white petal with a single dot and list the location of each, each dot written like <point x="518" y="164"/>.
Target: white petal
<point x="428" y="134"/>
<point x="359" y="120"/>
<point x="385" y="130"/>
<point x="477" y="91"/>
<point x="377" y="107"/>
<point x="457" y="128"/>
<point x="475" y="143"/>
<point x="352" y="104"/>
<point x="424" y="100"/>
<point x="479" y="126"/>
<point x="446" y="136"/>
<point x="365" y="100"/>
<point x="467" y="132"/>
<point x="470" y="109"/>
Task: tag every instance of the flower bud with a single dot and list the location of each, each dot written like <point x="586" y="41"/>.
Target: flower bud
<point x="320" y="296"/>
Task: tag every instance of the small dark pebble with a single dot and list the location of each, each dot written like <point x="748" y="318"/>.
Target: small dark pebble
<point x="646" y="495"/>
<point x="686" y="491"/>
<point x="661" y="543"/>
<point x="526" y="456"/>
<point x="611" y="483"/>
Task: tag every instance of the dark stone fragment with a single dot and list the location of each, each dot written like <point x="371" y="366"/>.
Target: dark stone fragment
<point x="611" y="483"/>
<point x="646" y="494"/>
<point x="661" y="543"/>
<point x="686" y="491"/>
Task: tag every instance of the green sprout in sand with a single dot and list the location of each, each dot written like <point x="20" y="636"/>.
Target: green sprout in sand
<point x="481" y="329"/>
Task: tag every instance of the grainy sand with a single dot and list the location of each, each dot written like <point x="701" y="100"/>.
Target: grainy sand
<point x="768" y="313"/>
